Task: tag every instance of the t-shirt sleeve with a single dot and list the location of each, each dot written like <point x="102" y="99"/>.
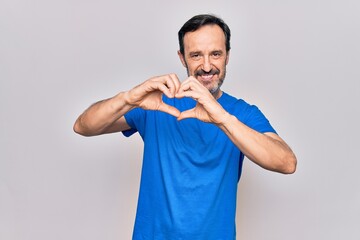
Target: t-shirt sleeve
<point x="135" y="119"/>
<point x="257" y="120"/>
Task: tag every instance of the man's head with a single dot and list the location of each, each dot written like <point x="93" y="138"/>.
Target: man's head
<point x="204" y="50"/>
<point x="197" y="22"/>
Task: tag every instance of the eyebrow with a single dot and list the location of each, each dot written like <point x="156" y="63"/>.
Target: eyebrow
<point x="194" y="52"/>
<point x="211" y="52"/>
<point x="217" y="51"/>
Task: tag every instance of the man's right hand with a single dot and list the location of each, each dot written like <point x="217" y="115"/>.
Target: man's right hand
<point x="107" y="116"/>
<point x="148" y="95"/>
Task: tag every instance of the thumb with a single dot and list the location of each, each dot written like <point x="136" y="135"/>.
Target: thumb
<point x="187" y="114"/>
<point x="169" y="109"/>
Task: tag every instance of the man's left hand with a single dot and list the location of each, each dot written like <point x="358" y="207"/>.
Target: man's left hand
<point x="207" y="108"/>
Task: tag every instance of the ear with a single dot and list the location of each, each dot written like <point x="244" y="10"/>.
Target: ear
<point x="182" y="58"/>
<point x="227" y="57"/>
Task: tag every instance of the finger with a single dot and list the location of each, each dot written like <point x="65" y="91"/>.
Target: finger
<point x="175" y="80"/>
<point x="184" y="87"/>
<point x="169" y="109"/>
<point x="187" y="114"/>
<point x="192" y="94"/>
<point x="187" y="89"/>
<point x="171" y="81"/>
<point x="191" y="83"/>
<point x="162" y="83"/>
<point x="163" y="88"/>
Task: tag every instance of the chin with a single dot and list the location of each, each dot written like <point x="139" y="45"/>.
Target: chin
<point x="214" y="90"/>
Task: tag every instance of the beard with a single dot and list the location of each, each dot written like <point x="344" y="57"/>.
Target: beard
<point x="214" y="71"/>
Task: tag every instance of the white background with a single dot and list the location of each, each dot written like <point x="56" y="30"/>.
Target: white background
<point x="298" y="61"/>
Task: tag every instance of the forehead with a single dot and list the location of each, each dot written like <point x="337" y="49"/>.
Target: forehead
<point x="205" y="38"/>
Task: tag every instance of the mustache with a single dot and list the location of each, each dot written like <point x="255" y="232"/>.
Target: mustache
<point x="202" y="72"/>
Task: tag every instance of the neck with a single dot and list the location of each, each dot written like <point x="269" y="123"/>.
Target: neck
<point x="217" y="94"/>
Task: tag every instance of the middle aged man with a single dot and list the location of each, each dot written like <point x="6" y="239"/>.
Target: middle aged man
<point x="195" y="138"/>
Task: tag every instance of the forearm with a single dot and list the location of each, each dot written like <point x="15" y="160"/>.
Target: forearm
<point x="101" y="116"/>
<point x="269" y="152"/>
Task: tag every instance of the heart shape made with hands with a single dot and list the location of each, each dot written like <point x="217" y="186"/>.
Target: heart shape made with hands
<point x="205" y="109"/>
<point x="149" y="96"/>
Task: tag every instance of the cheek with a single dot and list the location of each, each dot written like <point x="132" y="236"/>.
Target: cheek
<point x="221" y="66"/>
<point x="193" y="67"/>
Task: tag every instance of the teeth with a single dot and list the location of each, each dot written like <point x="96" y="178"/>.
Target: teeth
<point x="207" y="77"/>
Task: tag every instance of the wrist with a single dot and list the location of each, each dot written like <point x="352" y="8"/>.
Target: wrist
<point x="126" y="98"/>
<point x="122" y="101"/>
<point x="224" y="120"/>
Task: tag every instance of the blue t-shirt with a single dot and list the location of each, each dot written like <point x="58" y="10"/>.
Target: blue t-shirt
<point x="190" y="172"/>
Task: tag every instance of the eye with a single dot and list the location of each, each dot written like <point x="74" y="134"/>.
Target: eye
<point x="195" y="56"/>
<point x="217" y="54"/>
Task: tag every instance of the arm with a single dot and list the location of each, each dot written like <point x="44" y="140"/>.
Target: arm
<point x="267" y="150"/>
<point x="107" y="116"/>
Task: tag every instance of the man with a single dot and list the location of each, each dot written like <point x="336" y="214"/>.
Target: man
<point x="195" y="138"/>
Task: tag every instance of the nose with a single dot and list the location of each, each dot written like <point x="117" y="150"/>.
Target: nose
<point x="206" y="66"/>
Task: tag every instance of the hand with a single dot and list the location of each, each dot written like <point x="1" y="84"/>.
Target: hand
<point x="207" y="108"/>
<point x="148" y="95"/>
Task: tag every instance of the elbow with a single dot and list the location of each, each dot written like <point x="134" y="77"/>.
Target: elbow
<point x="285" y="164"/>
<point x="79" y="130"/>
<point x="84" y="130"/>
<point x="289" y="164"/>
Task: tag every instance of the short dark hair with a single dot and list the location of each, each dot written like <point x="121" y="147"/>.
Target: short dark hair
<point x="198" y="21"/>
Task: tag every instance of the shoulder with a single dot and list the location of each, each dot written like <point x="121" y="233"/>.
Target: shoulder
<point x="246" y="112"/>
<point x="234" y="105"/>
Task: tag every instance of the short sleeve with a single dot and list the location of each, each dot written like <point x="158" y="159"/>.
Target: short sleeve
<point x="257" y="120"/>
<point x="135" y="119"/>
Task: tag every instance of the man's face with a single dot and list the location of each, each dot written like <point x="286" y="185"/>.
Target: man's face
<point x="205" y="56"/>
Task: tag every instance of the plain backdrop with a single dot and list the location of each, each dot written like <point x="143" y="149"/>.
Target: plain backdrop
<point x="298" y="61"/>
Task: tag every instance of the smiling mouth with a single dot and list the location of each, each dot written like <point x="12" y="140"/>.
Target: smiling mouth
<point x="206" y="77"/>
